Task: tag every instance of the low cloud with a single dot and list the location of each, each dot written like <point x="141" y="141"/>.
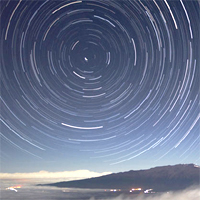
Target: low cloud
<point x="65" y="175"/>
<point x="188" y="194"/>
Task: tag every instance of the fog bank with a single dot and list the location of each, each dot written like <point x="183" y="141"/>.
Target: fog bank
<point x="188" y="194"/>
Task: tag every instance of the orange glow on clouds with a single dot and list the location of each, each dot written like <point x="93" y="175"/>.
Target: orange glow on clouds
<point x="17" y="186"/>
<point x="14" y="188"/>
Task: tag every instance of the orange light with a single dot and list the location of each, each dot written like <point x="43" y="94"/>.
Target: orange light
<point x="17" y="186"/>
<point x="133" y="189"/>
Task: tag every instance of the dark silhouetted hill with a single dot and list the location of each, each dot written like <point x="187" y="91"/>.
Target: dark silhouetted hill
<point x="160" y="179"/>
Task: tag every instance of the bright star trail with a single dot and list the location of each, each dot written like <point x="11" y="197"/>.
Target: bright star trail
<point x="110" y="82"/>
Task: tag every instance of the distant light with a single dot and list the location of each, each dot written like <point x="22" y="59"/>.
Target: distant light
<point x="148" y="191"/>
<point x="115" y="190"/>
<point x="13" y="188"/>
<point x="135" y="189"/>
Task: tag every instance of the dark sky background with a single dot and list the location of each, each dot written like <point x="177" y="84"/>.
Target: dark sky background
<point x="99" y="85"/>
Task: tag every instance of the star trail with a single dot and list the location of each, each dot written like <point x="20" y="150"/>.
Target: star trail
<point x="114" y="81"/>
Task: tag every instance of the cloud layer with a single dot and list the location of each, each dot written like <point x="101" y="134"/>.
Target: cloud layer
<point x="188" y="194"/>
<point x="65" y="175"/>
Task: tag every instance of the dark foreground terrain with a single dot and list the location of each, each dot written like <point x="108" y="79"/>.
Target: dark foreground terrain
<point x="160" y="179"/>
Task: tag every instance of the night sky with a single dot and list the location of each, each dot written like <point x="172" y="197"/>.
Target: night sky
<point x="99" y="85"/>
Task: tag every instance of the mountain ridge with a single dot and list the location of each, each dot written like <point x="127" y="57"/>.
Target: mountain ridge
<point x="161" y="178"/>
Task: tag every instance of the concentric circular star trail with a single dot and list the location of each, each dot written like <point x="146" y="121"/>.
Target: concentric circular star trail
<point x="117" y="80"/>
